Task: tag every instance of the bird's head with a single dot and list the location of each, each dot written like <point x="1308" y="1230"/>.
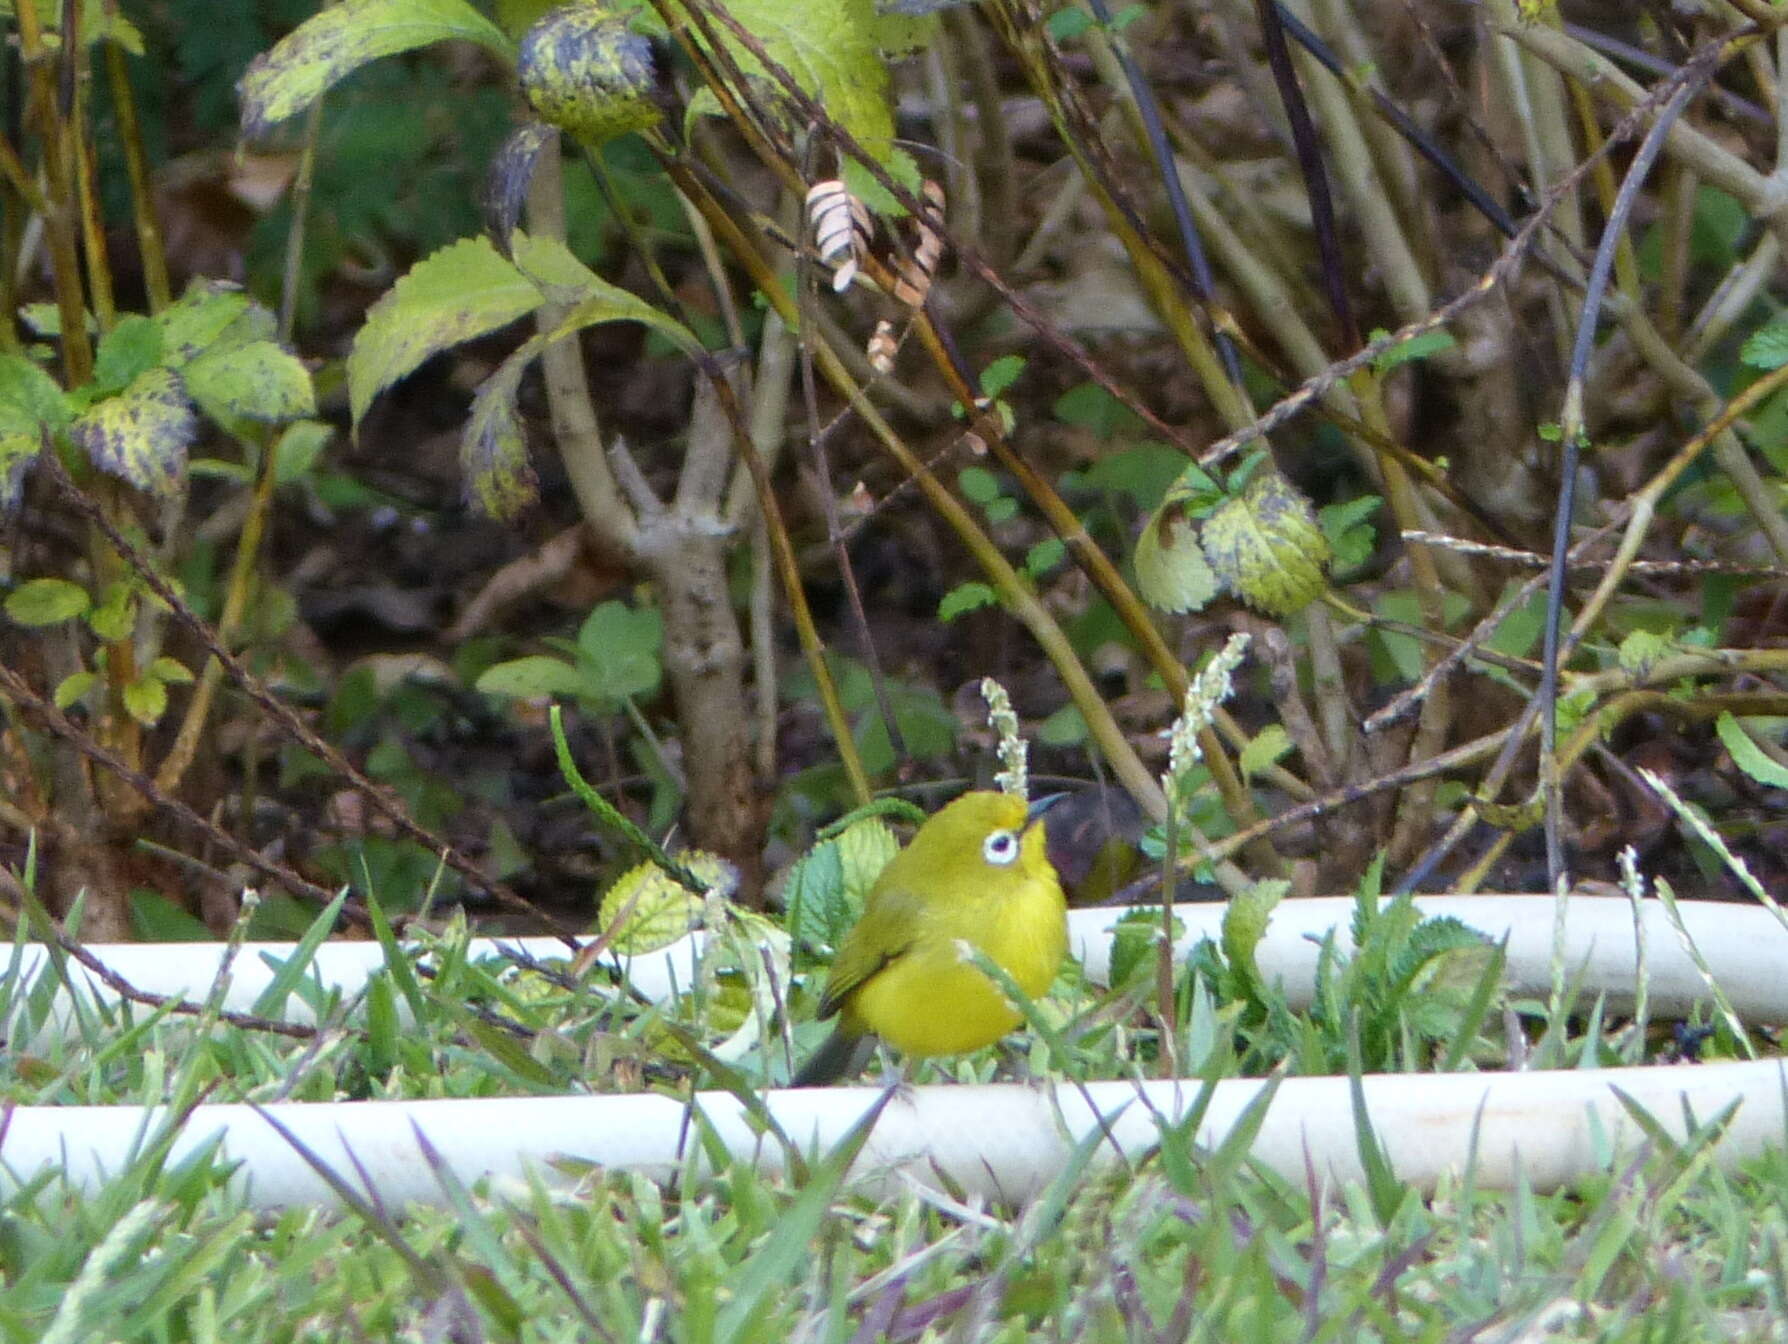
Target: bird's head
<point x="983" y="842"/>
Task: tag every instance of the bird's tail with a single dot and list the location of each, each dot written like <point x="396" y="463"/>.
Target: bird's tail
<point x="844" y="1053"/>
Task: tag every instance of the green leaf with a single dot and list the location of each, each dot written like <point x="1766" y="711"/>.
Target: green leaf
<point x="114" y="615"/>
<point x="1267" y="548"/>
<point x="73" y="687"/>
<point x="464" y="290"/>
<point x="146" y="700"/>
<point x="198" y="319"/>
<point x="1416" y="347"/>
<point x="1349" y="534"/>
<point x="818" y="911"/>
<point x="257" y="381"/>
<point x="1263" y="749"/>
<point x="1001" y="374"/>
<point x="142" y="434"/>
<point x="1092" y="408"/>
<point x="1640" y="651"/>
<point x="29" y="398"/>
<point x="46" y="601"/>
<point x="1145" y="473"/>
<point x="1766" y="348"/>
<point x="531" y="677"/>
<point x="1748" y="756"/>
<point x="978" y="484"/>
<point x="171" y="670"/>
<point x="964" y="598"/>
<point x="1064" y="728"/>
<point x="132" y="347"/>
<point x="618" y="648"/>
<point x="299" y="447"/>
<point x="321" y="51"/>
<point x="828" y="47"/>
<point x="1245" y="924"/>
<point x="1044" y="556"/>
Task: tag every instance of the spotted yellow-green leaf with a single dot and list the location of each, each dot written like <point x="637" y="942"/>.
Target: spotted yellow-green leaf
<point x="493" y="450"/>
<point x="510" y="175"/>
<point x="258" y="381"/>
<point x="142" y="434"/>
<point x="1171" y="571"/>
<point x="645" y="910"/>
<point x="1266" y="546"/>
<point x="581" y="69"/>
<point x="335" y="42"/>
<point x="464" y="290"/>
<point x="146" y="700"/>
<point x="717" y="876"/>
<point x="46" y="601"/>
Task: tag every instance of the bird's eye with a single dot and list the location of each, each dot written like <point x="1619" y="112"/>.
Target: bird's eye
<point x="1001" y="847"/>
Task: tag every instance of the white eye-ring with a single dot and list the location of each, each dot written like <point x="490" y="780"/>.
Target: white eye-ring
<point x="1000" y="848"/>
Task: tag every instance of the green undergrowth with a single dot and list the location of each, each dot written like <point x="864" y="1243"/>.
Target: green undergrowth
<point x="1179" y="1245"/>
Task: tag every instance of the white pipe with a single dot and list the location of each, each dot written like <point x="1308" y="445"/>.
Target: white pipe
<point x="1010" y="1140"/>
<point x="995" y="1142"/>
<point x="1744" y="946"/>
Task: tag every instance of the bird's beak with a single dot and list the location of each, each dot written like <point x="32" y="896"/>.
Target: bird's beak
<point x="1034" y="813"/>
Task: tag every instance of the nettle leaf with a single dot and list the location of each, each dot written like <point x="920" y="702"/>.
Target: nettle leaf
<point x="819" y="912"/>
<point x="463" y="291"/>
<point x="646" y="910"/>
<point x="323" y="50"/>
<point x="46" y="601"/>
<point x="141" y="434"/>
<point x="830" y="48"/>
<point x="258" y="381"/>
<point x="1266" y="546"/>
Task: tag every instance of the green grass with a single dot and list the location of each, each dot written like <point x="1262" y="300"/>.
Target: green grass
<point x="1661" y="1247"/>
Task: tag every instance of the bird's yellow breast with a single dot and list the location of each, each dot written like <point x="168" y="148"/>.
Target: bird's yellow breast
<point x="930" y="1001"/>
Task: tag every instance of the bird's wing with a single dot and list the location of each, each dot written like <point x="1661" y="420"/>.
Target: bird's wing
<point x="882" y="935"/>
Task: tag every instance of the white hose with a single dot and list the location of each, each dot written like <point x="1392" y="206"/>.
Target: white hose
<point x="1004" y="1140"/>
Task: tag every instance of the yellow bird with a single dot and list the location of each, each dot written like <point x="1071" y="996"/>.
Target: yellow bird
<point x="975" y="873"/>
